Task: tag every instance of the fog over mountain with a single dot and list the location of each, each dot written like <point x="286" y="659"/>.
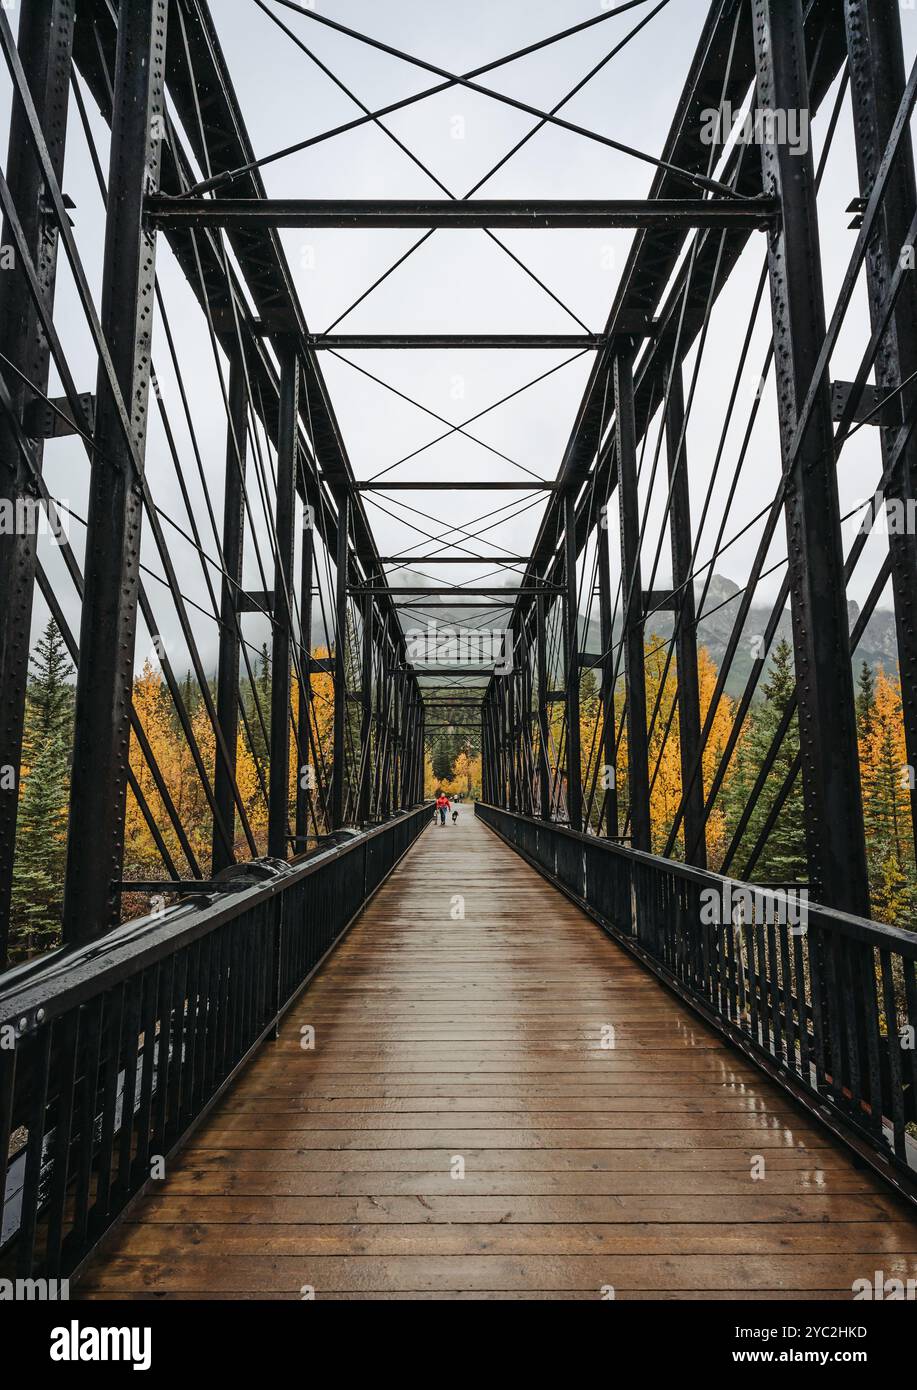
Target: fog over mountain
<point x="721" y="605"/>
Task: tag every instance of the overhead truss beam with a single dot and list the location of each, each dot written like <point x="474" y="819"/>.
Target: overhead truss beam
<point x="457" y="214"/>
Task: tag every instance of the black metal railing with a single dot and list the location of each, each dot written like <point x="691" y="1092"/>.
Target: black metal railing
<point x="828" y="1002"/>
<point x="110" y="1053"/>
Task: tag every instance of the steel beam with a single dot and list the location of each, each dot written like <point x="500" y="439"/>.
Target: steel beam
<point x="571" y="664"/>
<point x="426" y="610"/>
<point x="101" y="753"/>
<point x="544" y="764"/>
<point x="461" y="342"/>
<point x="228" y="658"/>
<point x="339" y="770"/>
<point x="366" y="723"/>
<point x="632" y="588"/>
<point x="451" y="671"/>
<point x="827" y="724"/>
<point x="45" y="43"/>
<point x="685" y="628"/>
<point x="282" y="632"/>
<point x="459" y="213"/>
<point x="408" y="560"/>
<point x="304" y="718"/>
<point x="456" y="485"/>
<point x="437" y="591"/>
<point x="608" y="815"/>
<point x="877" y="81"/>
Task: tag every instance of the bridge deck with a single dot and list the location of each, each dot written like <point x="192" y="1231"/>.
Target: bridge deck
<point x="439" y="1040"/>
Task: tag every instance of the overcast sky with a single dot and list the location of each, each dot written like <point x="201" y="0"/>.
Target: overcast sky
<point x="458" y="281"/>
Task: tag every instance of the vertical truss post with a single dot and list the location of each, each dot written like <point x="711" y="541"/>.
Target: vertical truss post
<point x="506" y="740"/>
<point x="228" y="658"/>
<point x="541" y="657"/>
<point x="98" y="793"/>
<point x="827" y="726"/>
<point x="404" y="762"/>
<point x="397" y="733"/>
<point x="420" y="775"/>
<point x="525" y="720"/>
<point x="512" y="721"/>
<point x="408" y="746"/>
<point x="339" y="770"/>
<point x="404" y="735"/>
<point x="305" y="772"/>
<point x="571" y="663"/>
<point x="486" y="759"/>
<point x="378" y="716"/>
<point x="282" y="633"/>
<point x="685" y="627"/>
<point x="383" y="738"/>
<point x="499" y="745"/>
<point x="877" y="80"/>
<point x="608" y="815"/>
<point x="366" y="705"/>
<point x="493" y="751"/>
<point x="45" y="44"/>
<point x="638" y="778"/>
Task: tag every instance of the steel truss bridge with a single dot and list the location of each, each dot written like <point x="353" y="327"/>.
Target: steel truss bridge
<point x="179" y="1034"/>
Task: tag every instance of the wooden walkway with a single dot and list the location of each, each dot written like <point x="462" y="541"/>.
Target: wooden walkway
<point x="459" y="1130"/>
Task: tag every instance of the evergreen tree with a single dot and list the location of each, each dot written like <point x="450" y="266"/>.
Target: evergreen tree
<point x="41" y="832"/>
<point x="50" y="695"/>
<point x="865" y="700"/>
<point x="783" y="858"/>
<point x="264" y="675"/>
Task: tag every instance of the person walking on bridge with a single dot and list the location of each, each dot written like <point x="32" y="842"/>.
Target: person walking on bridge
<point x="442" y="806"/>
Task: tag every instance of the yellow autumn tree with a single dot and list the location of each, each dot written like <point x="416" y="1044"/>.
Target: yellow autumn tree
<point x="665" y="747"/>
<point x="180" y="774"/>
<point x="885" y="777"/>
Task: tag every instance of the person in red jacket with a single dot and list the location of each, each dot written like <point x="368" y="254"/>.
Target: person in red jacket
<point x="442" y="806"/>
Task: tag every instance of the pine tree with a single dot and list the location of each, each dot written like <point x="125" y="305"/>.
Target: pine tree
<point x="50" y="695"/>
<point x="41" y="831"/>
<point x="865" y="700"/>
<point x="783" y="858"/>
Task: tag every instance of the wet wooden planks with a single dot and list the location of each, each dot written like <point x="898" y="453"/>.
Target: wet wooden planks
<point x="461" y="1128"/>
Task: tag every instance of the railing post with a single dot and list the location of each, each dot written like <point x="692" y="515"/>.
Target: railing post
<point x="45" y="45"/>
<point x="827" y="726"/>
<point x="101" y="753"/>
<point x="287" y="449"/>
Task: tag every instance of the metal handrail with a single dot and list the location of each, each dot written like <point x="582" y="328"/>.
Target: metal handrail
<point x="827" y="1004"/>
<point x="111" y="1053"/>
